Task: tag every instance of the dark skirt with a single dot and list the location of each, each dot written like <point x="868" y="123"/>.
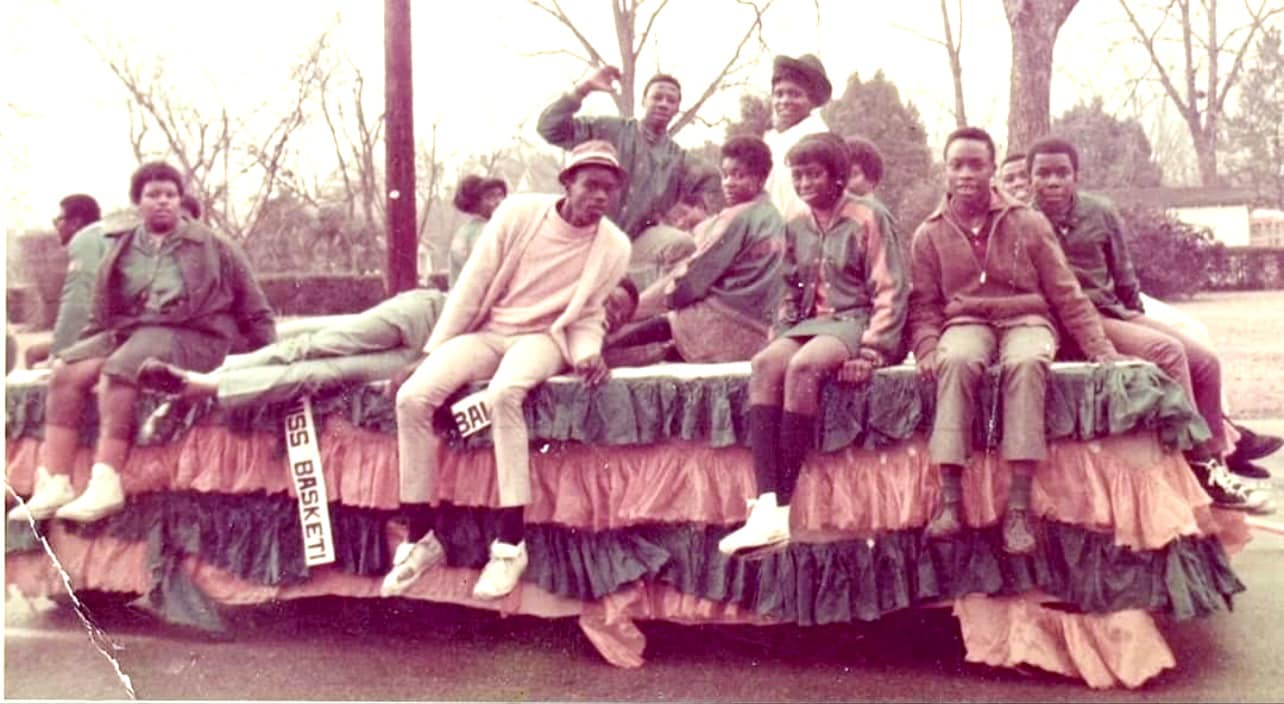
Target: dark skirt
<point x="125" y="349"/>
<point x="848" y="330"/>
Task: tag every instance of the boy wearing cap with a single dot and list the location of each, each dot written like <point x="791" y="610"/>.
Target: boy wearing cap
<point x="718" y="305"/>
<point x="530" y="301"/>
<point x="799" y="87"/>
<point x="660" y="171"/>
<point x="846" y="290"/>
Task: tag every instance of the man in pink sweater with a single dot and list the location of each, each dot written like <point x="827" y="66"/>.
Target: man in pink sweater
<point x="529" y="302"/>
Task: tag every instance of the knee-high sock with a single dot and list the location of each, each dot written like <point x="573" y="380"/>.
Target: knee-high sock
<point x="797" y="435"/>
<point x="420" y="519"/>
<point x="764" y="438"/>
<point x="512" y="524"/>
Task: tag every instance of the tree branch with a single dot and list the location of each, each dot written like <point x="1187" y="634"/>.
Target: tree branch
<point x="754" y="27"/>
<point x="1148" y="41"/>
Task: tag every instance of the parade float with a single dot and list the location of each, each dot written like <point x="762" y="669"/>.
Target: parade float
<point x="634" y="484"/>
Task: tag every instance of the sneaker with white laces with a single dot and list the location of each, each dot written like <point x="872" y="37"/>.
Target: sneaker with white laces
<point x="410" y="562"/>
<point x="103" y="496"/>
<point x="51" y="493"/>
<point x="764" y="532"/>
<point x="1227" y="491"/>
<point x="500" y="575"/>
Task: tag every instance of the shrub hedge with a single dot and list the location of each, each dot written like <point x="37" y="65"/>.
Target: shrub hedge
<point x="321" y="294"/>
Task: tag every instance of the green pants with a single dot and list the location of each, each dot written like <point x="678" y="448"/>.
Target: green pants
<point x="126" y="349"/>
<point x="365" y="347"/>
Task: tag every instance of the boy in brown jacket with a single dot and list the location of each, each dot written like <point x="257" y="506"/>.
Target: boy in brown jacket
<point x="988" y="277"/>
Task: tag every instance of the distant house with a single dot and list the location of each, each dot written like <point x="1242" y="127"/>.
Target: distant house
<point x="1268" y="228"/>
<point x="1226" y="212"/>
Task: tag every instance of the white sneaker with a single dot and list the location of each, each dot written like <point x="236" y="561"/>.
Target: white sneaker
<point x="500" y="575"/>
<point x="766" y="531"/>
<point x="52" y="492"/>
<point x="103" y="497"/>
<point x="410" y="562"/>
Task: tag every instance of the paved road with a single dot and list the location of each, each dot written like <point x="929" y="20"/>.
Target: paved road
<point x="353" y="649"/>
<point x="372" y="649"/>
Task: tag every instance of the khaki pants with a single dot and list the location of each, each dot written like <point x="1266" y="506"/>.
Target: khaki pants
<point x="963" y="354"/>
<point x="515" y="364"/>
<point x="368" y="346"/>
<point x="656" y="251"/>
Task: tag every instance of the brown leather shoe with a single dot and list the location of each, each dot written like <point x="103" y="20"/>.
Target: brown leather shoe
<point x="1018" y="532"/>
<point x="155" y="374"/>
<point x="947" y="522"/>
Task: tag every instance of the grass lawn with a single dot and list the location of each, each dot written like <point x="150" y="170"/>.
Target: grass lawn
<point x="1246" y="330"/>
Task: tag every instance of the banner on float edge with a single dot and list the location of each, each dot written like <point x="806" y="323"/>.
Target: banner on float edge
<point x="471" y="414"/>
<point x="303" y="455"/>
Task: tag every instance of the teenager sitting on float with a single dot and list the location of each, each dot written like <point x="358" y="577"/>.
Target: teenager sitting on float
<point x="718" y="305"/>
<point x="846" y="289"/>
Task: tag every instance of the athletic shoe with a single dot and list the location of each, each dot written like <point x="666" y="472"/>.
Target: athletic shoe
<point x="1247" y="468"/>
<point x="1227" y="491"/>
<point x="103" y="496"/>
<point x="499" y="576"/>
<point x="53" y="491"/>
<point x="410" y="562"/>
<point x="766" y="531"/>
<point x="1255" y="446"/>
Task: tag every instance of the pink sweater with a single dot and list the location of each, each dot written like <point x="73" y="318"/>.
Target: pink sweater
<point x="495" y="280"/>
<point x="541" y="286"/>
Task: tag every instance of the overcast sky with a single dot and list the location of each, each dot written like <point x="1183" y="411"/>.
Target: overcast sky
<point x="64" y="127"/>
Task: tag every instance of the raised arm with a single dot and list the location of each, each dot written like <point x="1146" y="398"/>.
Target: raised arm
<point x="558" y="124"/>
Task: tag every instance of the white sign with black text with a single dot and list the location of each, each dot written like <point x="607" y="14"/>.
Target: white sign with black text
<point x="471" y="413"/>
<point x="304" y="457"/>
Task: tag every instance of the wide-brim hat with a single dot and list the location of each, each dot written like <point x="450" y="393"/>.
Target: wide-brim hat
<point x="808" y="71"/>
<point x="595" y="152"/>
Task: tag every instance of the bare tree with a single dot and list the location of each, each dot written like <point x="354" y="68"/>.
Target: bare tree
<point x="429" y="185"/>
<point x="1034" y="25"/>
<point x="1185" y="92"/>
<point x="633" y="28"/>
<point x="953" y="45"/>
<point x="215" y="150"/>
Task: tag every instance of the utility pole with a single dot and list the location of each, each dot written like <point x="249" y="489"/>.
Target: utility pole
<point x="400" y="156"/>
